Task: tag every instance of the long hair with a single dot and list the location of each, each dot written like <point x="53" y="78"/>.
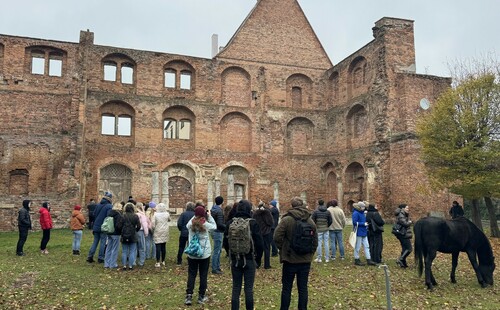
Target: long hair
<point x="198" y="224"/>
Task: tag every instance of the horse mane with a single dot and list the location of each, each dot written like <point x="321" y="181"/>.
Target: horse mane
<point x="484" y="250"/>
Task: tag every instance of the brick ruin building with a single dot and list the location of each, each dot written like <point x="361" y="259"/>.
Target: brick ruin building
<point x="269" y="116"/>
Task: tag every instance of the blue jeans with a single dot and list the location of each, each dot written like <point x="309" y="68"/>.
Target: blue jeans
<point x="217" y="238"/>
<point x="99" y="239"/>
<point x="150" y="247"/>
<point x="129" y="251"/>
<point x="336" y="236"/>
<point x="288" y="274"/>
<point x="362" y="241"/>
<point x="240" y="273"/>
<point x="323" y="238"/>
<point x="77" y="239"/>
<point x="141" y="245"/>
<point x="111" y="255"/>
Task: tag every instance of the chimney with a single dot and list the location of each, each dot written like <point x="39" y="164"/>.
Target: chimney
<point x="215" y="45"/>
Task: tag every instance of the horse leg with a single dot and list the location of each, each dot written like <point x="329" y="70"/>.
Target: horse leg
<point x="428" y="272"/>
<point x="454" y="263"/>
<point x="472" y="258"/>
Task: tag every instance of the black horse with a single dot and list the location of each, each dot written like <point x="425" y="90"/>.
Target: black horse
<point x="434" y="234"/>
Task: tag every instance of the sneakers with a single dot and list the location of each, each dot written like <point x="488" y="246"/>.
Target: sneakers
<point x="163" y="264"/>
<point x="317" y="260"/>
<point x="217" y="271"/>
<point x="327" y="260"/>
<point x="44" y="251"/>
<point x="20" y="254"/>
<point x="358" y="262"/>
<point x="157" y="265"/>
<point x="90" y="259"/>
<point x="202" y="299"/>
<point x="189" y="300"/>
<point x="100" y="261"/>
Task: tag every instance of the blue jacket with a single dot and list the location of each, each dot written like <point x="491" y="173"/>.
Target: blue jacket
<point x="182" y="222"/>
<point x="100" y="213"/>
<point x="218" y="216"/>
<point x="359" y="218"/>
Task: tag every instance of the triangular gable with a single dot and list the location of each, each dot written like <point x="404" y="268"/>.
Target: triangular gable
<point x="277" y="32"/>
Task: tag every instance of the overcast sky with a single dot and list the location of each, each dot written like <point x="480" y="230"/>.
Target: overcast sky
<point x="445" y="30"/>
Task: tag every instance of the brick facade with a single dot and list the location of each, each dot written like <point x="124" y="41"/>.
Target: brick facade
<point x="268" y="117"/>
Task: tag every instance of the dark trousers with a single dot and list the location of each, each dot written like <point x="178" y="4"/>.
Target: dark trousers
<point x="288" y="274"/>
<point x="239" y="274"/>
<point x="405" y="248"/>
<point x="161" y="249"/>
<point x="274" y="248"/>
<point x="193" y="266"/>
<point x="45" y="239"/>
<point x="268" y="238"/>
<point x="182" y="245"/>
<point x="376" y="244"/>
<point x="23" y="235"/>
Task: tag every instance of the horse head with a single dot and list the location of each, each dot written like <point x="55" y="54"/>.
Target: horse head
<point x="486" y="271"/>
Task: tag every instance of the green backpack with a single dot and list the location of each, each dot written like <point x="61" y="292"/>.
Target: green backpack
<point x="108" y="226"/>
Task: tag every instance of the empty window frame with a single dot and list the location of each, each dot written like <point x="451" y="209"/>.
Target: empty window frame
<point x="38" y="62"/>
<point x="170" y="78"/>
<point x="169" y="129"/>
<point x="55" y="64"/>
<point x="184" y="129"/>
<point x="112" y="125"/>
<point x="110" y="71"/>
<point x="185" y="80"/>
<point x="127" y="72"/>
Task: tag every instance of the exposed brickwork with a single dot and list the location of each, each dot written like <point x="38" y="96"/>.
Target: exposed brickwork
<point x="268" y="115"/>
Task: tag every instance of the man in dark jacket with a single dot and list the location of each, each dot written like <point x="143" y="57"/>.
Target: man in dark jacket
<point x="181" y="225"/>
<point x="218" y="234"/>
<point x="265" y="220"/>
<point x="294" y="264"/>
<point x="276" y="217"/>
<point x="323" y="219"/>
<point x="100" y="213"/>
<point x="375" y="230"/>
<point x="456" y="210"/>
<point x="90" y="210"/>
<point x="24" y="224"/>
<point x="244" y="267"/>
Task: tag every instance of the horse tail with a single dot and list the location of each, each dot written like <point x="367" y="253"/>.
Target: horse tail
<point x="417" y="229"/>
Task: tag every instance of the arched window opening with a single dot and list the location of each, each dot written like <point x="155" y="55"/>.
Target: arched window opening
<point x="296" y="97"/>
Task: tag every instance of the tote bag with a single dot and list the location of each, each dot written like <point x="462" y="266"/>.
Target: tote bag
<point x="352" y="237"/>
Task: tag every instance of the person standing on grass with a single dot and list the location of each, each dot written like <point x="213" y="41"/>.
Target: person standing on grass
<point x="265" y="220"/>
<point x="184" y="234"/>
<point x="24" y="225"/>
<point x="100" y="213"/>
<point x="243" y="266"/>
<point x="359" y="223"/>
<point x="218" y="234"/>
<point x="76" y="223"/>
<point x="275" y="212"/>
<point x="143" y="233"/>
<point x="336" y="229"/>
<point x="200" y="225"/>
<point x="403" y="219"/>
<point x="111" y="255"/>
<point x="323" y="219"/>
<point x="90" y="210"/>
<point x="46" y="224"/>
<point x="160" y="225"/>
<point x="294" y="264"/>
<point x="150" y="244"/>
<point x="375" y="230"/>
<point x="131" y="225"/>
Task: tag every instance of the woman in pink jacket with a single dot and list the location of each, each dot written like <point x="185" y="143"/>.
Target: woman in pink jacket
<point x="46" y="224"/>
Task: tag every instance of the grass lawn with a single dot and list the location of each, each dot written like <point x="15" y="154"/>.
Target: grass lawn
<point x="60" y="280"/>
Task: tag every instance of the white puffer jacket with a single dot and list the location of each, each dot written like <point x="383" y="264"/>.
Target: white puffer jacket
<point x="160" y="224"/>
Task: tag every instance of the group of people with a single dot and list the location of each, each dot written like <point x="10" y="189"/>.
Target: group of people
<point x="135" y="226"/>
<point x="245" y="234"/>
<point x="25" y="225"/>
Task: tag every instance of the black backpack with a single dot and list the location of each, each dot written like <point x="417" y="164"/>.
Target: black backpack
<point x="303" y="237"/>
<point x="128" y="231"/>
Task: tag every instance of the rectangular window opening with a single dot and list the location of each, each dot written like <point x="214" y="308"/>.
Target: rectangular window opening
<point x="185" y="130"/>
<point x="127" y="75"/>
<point x="124" y="126"/>
<point x="169" y="129"/>
<point x="38" y="64"/>
<point x="55" y="67"/>
<point x="170" y="79"/>
<point x="108" y="125"/>
<point x="185" y="80"/>
<point x="110" y="72"/>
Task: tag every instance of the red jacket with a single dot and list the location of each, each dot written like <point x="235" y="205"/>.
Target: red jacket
<point x="45" y="219"/>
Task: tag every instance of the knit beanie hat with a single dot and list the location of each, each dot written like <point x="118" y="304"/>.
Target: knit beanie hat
<point x="108" y="196"/>
<point x="200" y="211"/>
<point x="78" y="208"/>
<point x="273" y="203"/>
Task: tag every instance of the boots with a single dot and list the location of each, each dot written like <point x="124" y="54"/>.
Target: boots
<point x="189" y="300"/>
<point x="358" y="262"/>
<point x="370" y="262"/>
<point x="401" y="261"/>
